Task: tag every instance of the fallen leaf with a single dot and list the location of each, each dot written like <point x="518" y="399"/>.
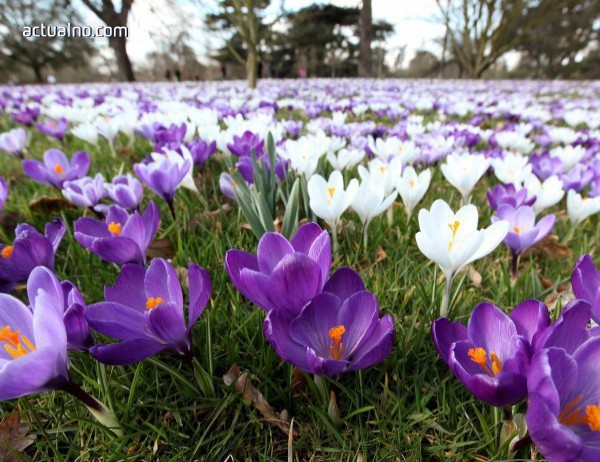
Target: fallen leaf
<point x="243" y="385"/>
<point x="548" y="248"/>
<point x="546" y="283"/>
<point x="381" y="255"/>
<point x="474" y="276"/>
<point x="45" y="204"/>
<point x="161" y="248"/>
<point x="13" y="438"/>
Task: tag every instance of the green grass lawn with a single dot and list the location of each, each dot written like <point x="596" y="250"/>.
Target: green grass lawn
<point x="409" y="407"/>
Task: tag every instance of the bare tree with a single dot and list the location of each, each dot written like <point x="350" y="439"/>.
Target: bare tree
<point x="366" y="36"/>
<point x="106" y="11"/>
<point x="479" y="32"/>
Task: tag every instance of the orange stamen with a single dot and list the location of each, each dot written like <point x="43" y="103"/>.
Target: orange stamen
<point x="7" y="251"/>
<point x="335" y="334"/>
<point x="58" y="169"/>
<point x="592" y="414"/>
<point x="571" y="414"/>
<point x="16" y="345"/>
<point x="153" y="302"/>
<point x="114" y="228"/>
<point x="479" y="357"/>
<point x="517" y="230"/>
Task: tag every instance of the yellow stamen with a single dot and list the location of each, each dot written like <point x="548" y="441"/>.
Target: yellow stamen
<point x="16" y="345"/>
<point x="411" y="183"/>
<point x="114" y="228"/>
<point x="586" y="198"/>
<point x="479" y="357"/>
<point x="58" y="169"/>
<point x="571" y="414"/>
<point x="454" y="228"/>
<point x="382" y="169"/>
<point x="517" y="230"/>
<point x="153" y="302"/>
<point x="592" y="414"/>
<point x="335" y="334"/>
<point x="331" y="192"/>
<point x="7" y="251"/>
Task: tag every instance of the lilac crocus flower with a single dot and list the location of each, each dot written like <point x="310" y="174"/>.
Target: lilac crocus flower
<point x="86" y="191"/>
<point x="121" y="238"/>
<point x="26" y="116"/>
<point x="284" y="275"/>
<point x="563" y="412"/>
<point x="577" y="178"/>
<point x="164" y="137"/>
<point x="491" y="355"/>
<point x="246" y="167"/>
<point x="55" y="129"/>
<point x="338" y="331"/>
<point x="56" y="168"/>
<point x="163" y="175"/>
<point x="507" y="194"/>
<point x="13" y="141"/>
<point x="34" y="355"/>
<point x="3" y="193"/>
<point x="243" y="145"/>
<point x="544" y="166"/>
<point x="79" y="333"/>
<point x="523" y="231"/>
<point x="126" y="191"/>
<point x="29" y="249"/>
<point x="145" y="311"/>
<point x="201" y="151"/>
<point x="586" y="284"/>
<point x="227" y="185"/>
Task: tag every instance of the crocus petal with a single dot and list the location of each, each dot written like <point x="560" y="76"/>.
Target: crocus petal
<point x="127" y="352"/>
<point x="161" y="282"/>
<point x="55" y="230"/>
<point x="530" y="317"/>
<point x="445" y="333"/>
<point x="359" y="315"/>
<point x="324" y="366"/>
<point x="277" y="332"/>
<point x="116" y="320"/>
<point x="271" y="249"/>
<point x="167" y="324"/>
<point x="200" y="288"/>
<point x="377" y="347"/>
<point x="29" y="374"/>
<point x="118" y="249"/>
<point x="344" y="283"/>
<point x="129" y="288"/>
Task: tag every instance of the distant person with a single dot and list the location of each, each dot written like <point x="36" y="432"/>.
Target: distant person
<point x="223" y="71"/>
<point x="177" y="75"/>
<point x="51" y="79"/>
<point x="168" y="74"/>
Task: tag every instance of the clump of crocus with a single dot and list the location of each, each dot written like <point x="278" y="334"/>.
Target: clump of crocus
<point x="563" y="412"/>
<point x="34" y="356"/>
<point x="85" y="192"/>
<point x="13" y="142"/>
<point x="122" y="237"/>
<point x="244" y="145"/>
<point x="453" y="240"/>
<point x="340" y="330"/>
<point x="126" y="191"/>
<point x="490" y="356"/>
<point x="523" y="231"/>
<point x="508" y="195"/>
<point x="56" y="167"/>
<point x="54" y="128"/>
<point x="144" y="310"/>
<point x="26" y="116"/>
<point x="29" y="249"/>
<point x="284" y="275"/>
<point x="586" y="284"/>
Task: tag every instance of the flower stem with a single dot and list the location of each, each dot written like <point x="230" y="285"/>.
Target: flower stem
<point x="446" y="298"/>
<point x="366" y="235"/>
<point x="172" y="209"/>
<point x="96" y="408"/>
<point x="515" y="264"/>
<point x="335" y="238"/>
<point x="390" y="216"/>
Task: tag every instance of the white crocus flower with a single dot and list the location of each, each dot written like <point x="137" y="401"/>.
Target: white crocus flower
<point x="371" y="201"/>
<point x="514" y="141"/>
<point x="412" y="188"/>
<point x="383" y="172"/>
<point x="512" y="169"/>
<point x="86" y="132"/>
<point x="345" y="158"/>
<point x="568" y="155"/>
<point x="452" y="240"/>
<point x="464" y="171"/>
<point x="329" y="200"/>
<point x="579" y="208"/>
<point x="547" y="194"/>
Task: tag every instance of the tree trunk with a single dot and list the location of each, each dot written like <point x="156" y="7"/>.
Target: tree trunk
<point x="38" y="74"/>
<point x="119" y="46"/>
<point x="366" y="35"/>
<point x="251" y="67"/>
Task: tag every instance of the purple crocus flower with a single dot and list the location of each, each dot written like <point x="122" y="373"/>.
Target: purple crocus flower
<point x="586" y="284"/>
<point x="544" y="166"/>
<point x="55" y="129"/>
<point x="126" y="191"/>
<point x="243" y="145"/>
<point x="338" y="331"/>
<point x="227" y="185"/>
<point x="121" y="238"/>
<point x="246" y="167"/>
<point x="284" y="275"/>
<point x="29" y="249"/>
<point x="292" y="127"/>
<point x="79" y="333"/>
<point x="145" y="311"/>
<point x="26" y="116"/>
<point x="13" y="141"/>
<point x="86" y="191"/>
<point x="3" y="193"/>
<point x="56" y="168"/>
<point x="507" y="194"/>
<point x="523" y="231"/>
<point x="563" y="412"/>
<point x="577" y="178"/>
<point x="34" y="355"/>
<point x="163" y="137"/>
<point x="201" y="151"/>
<point x="491" y="355"/>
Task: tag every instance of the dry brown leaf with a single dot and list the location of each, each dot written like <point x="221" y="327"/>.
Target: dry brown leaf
<point x="182" y="275"/>
<point x="474" y="276"/>
<point x="161" y="248"/>
<point x="243" y="385"/>
<point x="546" y="283"/>
<point x="548" y="248"/>
<point x="13" y="438"/>
<point x="381" y="255"/>
<point x="45" y="204"/>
